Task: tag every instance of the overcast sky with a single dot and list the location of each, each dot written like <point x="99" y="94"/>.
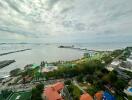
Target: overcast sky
<point x="66" y="21"/>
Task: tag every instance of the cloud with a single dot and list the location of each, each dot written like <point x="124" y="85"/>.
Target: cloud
<point x="74" y="19"/>
<point x="50" y="3"/>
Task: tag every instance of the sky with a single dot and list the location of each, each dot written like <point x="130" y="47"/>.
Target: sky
<point x="81" y="21"/>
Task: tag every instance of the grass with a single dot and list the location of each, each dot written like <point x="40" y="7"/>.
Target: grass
<point x="23" y="96"/>
<point x="129" y="97"/>
<point x="1" y="97"/>
<point x="74" y="91"/>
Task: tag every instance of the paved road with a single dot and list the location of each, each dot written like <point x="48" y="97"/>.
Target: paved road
<point x="115" y="59"/>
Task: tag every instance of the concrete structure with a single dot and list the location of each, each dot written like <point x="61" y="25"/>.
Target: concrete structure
<point x="116" y="63"/>
<point x="129" y="60"/>
<point x="113" y="65"/>
<point x="128" y="91"/>
<point x="49" y="67"/>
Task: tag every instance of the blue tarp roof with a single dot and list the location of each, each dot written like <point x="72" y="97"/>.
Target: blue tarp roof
<point x="108" y="96"/>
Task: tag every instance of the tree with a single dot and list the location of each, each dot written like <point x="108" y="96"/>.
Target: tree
<point x="107" y="59"/>
<point x="15" y="72"/>
<point x="92" y="90"/>
<point x="80" y="78"/>
<point x="110" y="77"/>
<point x="120" y="84"/>
<point x="116" y="53"/>
<point x="6" y="93"/>
<point x="67" y="82"/>
<point x="36" y="92"/>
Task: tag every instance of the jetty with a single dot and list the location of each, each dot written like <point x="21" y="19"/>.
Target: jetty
<point x="6" y="63"/>
<point x="2" y="54"/>
<point x="80" y="49"/>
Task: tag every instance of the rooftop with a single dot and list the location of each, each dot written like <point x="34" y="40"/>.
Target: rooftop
<point x="99" y="95"/>
<point x="53" y="92"/>
<point x="86" y="96"/>
<point x="108" y="96"/>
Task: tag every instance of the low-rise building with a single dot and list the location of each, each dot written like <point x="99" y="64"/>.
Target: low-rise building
<point x="86" y="96"/>
<point x="116" y="63"/>
<point x="98" y="95"/>
<point x="49" y="67"/>
<point x="128" y="91"/>
<point x="108" y="96"/>
<point x="113" y="65"/>
<point x="54" y="92"/>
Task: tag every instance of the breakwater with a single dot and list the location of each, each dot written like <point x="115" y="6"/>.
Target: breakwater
<point x="6" y="63"/>
<point x="2" y="54"/>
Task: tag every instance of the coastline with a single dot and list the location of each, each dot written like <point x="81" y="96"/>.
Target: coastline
<point x="39" y="53"/>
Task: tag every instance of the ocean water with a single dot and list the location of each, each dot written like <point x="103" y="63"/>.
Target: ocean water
<point x="48" y="52"/>
<point x="38" y="53"/>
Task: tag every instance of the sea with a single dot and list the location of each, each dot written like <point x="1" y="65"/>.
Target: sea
<point x="48" y="52"/>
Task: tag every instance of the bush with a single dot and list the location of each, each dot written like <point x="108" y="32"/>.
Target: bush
<point x="92" y="90"/>
<point x="67" y="82"/>
<point x="5" y="93"/>
<point x="15" y="72"/>
<point x="36" y="92"/>
<point x="80" y="78"/>
<point x="74" y="91"/>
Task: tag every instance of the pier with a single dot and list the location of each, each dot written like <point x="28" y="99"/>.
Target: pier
<point x="81" y="49"/>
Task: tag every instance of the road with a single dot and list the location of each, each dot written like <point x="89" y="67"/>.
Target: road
<point x="115" y="59"/>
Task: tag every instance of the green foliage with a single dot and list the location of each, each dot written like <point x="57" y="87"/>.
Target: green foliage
<point x="119" y="98"/>
<point x="75" y="92"/>
<point x="110" y="77"/>
<point x="67" y="82"/>
<point x="107" y="59"/>
<point x="128" y="73"/>
<point x="36" y="92"/>
<point x="116" y="53"/>
<point x="28" y="72"/>
<point x="24" y="95"/>
<point x="80" y="78"/>
<point x="15" y="72"/>
<point x="88" y="67"/>
<point x="129" y="97"/>
<point x="120" y="84"/>
<point x="92" y="90"/>
<point x="5" y="93"/>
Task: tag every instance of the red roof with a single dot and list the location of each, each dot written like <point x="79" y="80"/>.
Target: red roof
<point x="58" y="86"/>
<point x="52" y="92"/>
<point x="99" y="95"/>
<point x="86" y="96"/>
